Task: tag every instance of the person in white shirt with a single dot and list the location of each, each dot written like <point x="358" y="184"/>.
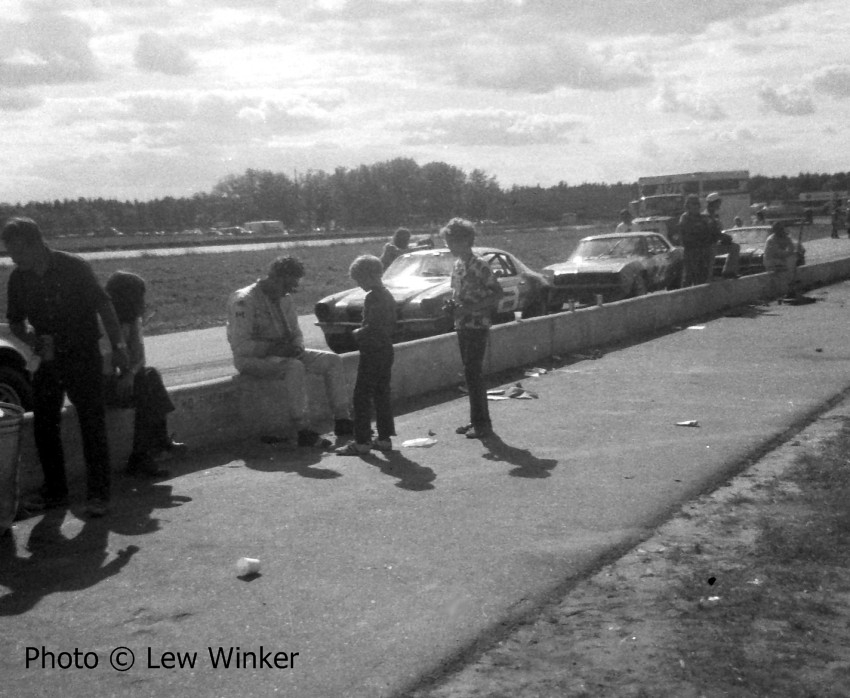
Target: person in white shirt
<point x="266" y="340"/>
<point x="625" y="224"/>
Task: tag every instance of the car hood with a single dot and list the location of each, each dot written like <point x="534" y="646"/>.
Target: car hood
<point x="590" y="266"/>
<point x="412" y="289"/>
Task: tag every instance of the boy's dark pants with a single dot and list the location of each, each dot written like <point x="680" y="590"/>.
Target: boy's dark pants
<point x="373" y="388"/>
<point x="80" y="376"/>
<point x="473" y="345"/>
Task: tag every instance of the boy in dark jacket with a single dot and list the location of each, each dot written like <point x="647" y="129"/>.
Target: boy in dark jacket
<point x="374" y="372"/>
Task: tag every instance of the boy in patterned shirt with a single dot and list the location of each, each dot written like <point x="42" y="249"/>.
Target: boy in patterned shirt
<point x="475" y="295"/>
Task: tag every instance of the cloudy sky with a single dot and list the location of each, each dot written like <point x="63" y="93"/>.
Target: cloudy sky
<point x="136" y="99"/>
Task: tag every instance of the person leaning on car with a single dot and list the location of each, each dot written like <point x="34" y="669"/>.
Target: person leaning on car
<point x="699" y="235"/>
<point x="60" y="297"/>
<point x="780" y="252"/>
<point x="399" y="245"/>
<point x="725" y="244"/>
<point x="266" y="340"/>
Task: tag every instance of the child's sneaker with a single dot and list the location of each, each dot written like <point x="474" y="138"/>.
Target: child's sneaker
<point x="354" y="449"/>
<point x="382" y="445"/>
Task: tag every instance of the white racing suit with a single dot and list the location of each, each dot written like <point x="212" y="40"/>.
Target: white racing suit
<point x="254" y="323"/>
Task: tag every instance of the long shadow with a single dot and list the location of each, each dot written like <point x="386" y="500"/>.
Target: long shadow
<point x="411" y="476"/>
<point x="527" y="464"/>
<point x="59" y="564"/>
<point x="275" y="459"/>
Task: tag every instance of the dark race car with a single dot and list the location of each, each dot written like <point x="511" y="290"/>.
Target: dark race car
<point x="420" y="284"/>
<point x="752" y="240"/>
<point x="616" y="266"/>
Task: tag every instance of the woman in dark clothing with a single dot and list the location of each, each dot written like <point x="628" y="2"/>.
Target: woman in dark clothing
<point x="141" y="386"/>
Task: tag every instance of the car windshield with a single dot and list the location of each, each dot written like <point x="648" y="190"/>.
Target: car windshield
<point x="608" y="247"/>
<point x="749" y="236"/>
<point x="432" y="264"/>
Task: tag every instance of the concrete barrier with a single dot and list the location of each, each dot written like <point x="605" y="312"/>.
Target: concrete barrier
<point x="207" y="414"/>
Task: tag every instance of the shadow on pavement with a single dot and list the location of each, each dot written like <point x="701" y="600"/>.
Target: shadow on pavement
<point x="528" y="465"/>
<point x="411" y="476"/>
<point x="58" y="563"/>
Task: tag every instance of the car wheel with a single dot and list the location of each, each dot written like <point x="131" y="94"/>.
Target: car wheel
<point x="15" y="387"/>
<point x="341" y="343"/>
<point x="534" y="309"/>
<point x="676" y="279"/>
<point x="638" y="286"/>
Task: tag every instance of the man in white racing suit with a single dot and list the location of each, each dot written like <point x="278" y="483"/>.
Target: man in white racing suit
<point x="263" y="332"/>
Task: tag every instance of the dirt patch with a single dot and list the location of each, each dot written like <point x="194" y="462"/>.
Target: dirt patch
<point x="746" y="592"/>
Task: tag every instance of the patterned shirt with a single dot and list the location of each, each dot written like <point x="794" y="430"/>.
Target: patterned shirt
<point x="472" y="281"/>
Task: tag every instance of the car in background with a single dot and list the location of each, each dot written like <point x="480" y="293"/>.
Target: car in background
<point x="752" y="240"/>
<point x="420" y="283"/>
<point x="17" y="363"/>
<point x="616" y="266"/>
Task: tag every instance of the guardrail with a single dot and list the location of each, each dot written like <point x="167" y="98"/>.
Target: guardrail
<point x="207" y="414"/>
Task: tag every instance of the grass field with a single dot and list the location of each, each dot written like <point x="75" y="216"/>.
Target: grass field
<point x="190" y="292"/>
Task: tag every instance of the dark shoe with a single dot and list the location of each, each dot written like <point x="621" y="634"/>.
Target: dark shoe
<point x="462" y="430"/>
<point x="385" y="445"/>
<point x="308" y="438"/>
<point x="479" y="433"/>
<point x="343" y="427"/>
<point x="171" y="449"/>
<point x="96" y="508"/>
<point x="144" y="465"/>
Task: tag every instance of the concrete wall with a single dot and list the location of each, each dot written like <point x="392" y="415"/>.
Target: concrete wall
<point x="207" y="414"/>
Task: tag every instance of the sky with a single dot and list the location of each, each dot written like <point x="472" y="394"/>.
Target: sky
<point x="140" y="99"/>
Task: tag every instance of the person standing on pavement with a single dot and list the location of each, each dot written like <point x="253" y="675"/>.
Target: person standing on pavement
<point x="139" y="387"/>
<point x="475" y="295"/>
<point x="725" y="244"/>
<point x="374" y="371"/>
<point x="266" y="340"/>
<point x="54" y="301"/>
<point x="699" y="235"/>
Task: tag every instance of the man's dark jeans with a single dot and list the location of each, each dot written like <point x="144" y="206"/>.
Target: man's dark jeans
<point x="372" y="388"/>
<point x="473" y="345"/>
<point x="81" y="377"/>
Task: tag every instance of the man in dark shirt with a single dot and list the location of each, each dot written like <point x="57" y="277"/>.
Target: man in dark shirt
<point x="699" y="236"/>
<point x="54" y="300"/>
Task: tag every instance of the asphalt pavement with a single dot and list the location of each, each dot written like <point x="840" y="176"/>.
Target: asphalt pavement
<point x="378" y="571"/>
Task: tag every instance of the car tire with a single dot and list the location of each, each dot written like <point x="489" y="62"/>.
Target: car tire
<point x="639" y="287"/>
<point x="341" y="343"/>
<point x="15" y="387"/>
<point x="534" y="309"/>
<point x="676" y="281"/>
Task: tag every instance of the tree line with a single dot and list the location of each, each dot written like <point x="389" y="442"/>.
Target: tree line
<point x="384" y="195"/>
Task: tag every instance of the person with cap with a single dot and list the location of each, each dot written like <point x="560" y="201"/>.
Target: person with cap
<point x="699" y="235"/>
<point x="625" y="224"/>
<point x="399" y="245"/>
<point x="725" y="244"/>
<point x="475" y="296"/>
<point x="140" y="387"/>
<point x="54" y="301"/>
<point x="267" y="342"/>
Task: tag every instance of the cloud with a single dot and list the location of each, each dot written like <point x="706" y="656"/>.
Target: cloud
<point x="18" y="100"/>
<point x="486" y="127"/>
<point x="695" y="104"/>
<point x="158" y="54"/>
<point x="787" y="100"/>
<point x="833" y="80"/>
<point x="49" y="48"/>
<point x="542" y="67"/>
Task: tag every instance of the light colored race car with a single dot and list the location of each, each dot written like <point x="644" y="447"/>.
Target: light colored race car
<point x="419" y="281"/>
<point x="616" y="266"/>
<point x="752" y="240"/>
<point x="17" y="363"/>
